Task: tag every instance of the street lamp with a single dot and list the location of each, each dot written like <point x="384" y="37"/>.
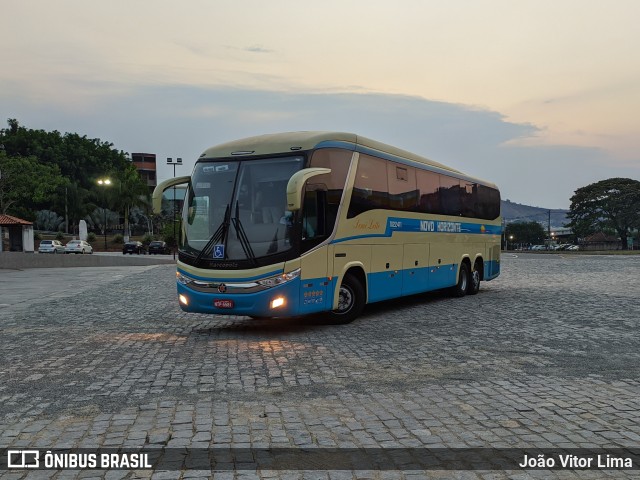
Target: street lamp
<point x="177" y="162"/>
<point x="104" y="182"/>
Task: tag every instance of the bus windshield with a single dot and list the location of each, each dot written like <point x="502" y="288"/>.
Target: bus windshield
<point x="236" y="210"/>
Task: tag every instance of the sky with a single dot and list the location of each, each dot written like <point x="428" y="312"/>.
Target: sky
<point x="540" y="97"/>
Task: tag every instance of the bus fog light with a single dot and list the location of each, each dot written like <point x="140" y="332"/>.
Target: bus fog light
<point x="183" y="299"/>
<point x="277" y="302"/>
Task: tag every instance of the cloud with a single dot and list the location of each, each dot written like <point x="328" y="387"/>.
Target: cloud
<point x="184" y="120"/>
<point x="257" y="49"/>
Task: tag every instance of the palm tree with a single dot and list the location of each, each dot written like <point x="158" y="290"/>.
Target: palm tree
<point x="129" y="191"/>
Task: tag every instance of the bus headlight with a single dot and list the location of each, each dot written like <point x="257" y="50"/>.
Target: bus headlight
<point x="183" y="279"/>
<point x="279" y="279"/>
<point x="183" y="300"/>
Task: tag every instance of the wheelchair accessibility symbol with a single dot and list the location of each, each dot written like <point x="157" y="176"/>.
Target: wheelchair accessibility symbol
<point x="218" y="251"/>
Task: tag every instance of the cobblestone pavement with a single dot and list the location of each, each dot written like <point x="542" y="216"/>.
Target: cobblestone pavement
<point x="547" y="355"/>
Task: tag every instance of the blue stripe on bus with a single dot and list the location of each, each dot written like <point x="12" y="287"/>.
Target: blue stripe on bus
<point x="491" y="269"/>
<point x="387" y="285"/>
<point x="317" y="294"/>
<point x="396" y="224"/>
<point x="336" y="144"/>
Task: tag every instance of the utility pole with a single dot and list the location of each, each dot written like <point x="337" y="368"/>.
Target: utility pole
<point x="549" y="227"/>
<point x="66" y="212"/>
<point x="504" y="233"/>
<point x="175" y="202"/>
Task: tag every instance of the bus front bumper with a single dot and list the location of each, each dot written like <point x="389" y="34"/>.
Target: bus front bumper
<point x="279" y="301"/>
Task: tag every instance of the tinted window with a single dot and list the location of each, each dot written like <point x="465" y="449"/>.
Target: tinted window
<point x="324" y="192"/>
<point x="403" y="194"/>
<point x="370" y="186"/>
<point x="488" y="203"/>
<point x="412" y="189"/>
<point x="449" y="195"/>
<point x="429" y="188"/>
<point x="468" y="199"/>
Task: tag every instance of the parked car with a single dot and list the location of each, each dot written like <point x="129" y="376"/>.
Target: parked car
<point x="78" y="246"/>
<point x="51" y="246"/>
<point x="133" y="247"/>
<point x="158" y="246"/>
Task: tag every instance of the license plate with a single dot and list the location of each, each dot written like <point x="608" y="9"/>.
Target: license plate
<point x="223" y="303"/>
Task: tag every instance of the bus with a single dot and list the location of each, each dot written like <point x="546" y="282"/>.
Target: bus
<point x="301" y="223"/>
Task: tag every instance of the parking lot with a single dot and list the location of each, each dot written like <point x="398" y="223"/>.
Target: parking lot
<point x="547" y="356"/>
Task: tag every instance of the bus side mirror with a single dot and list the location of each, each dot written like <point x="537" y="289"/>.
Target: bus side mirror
<point x="159" y="190"/>
<point x="296" y="183"/>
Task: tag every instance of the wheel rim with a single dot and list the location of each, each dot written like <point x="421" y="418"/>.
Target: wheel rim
<point x="475" y="278"/>
<point x="345" y="299"/>
<point x="463" y="281"/>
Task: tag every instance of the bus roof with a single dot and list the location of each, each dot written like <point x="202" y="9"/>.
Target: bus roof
<point x="294" y="141"/>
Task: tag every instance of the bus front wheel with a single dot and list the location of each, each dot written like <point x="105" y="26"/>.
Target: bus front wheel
<point x="351" y="301"/>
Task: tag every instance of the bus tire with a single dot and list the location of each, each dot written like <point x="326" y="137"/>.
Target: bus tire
<point x="460" y="290"/>
<point x="474" y="280"/>
<point x="351" y="302"/>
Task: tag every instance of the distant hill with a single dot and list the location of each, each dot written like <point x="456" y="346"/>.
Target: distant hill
<point x="513" y="212"/>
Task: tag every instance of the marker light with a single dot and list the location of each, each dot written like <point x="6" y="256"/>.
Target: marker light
<point x="277" y="302"/>
<point x="183" y="279"/>
<point x="183" y="299"/>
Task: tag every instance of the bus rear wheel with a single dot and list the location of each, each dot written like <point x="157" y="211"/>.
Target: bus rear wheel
<point x="350" y="303"/>
<point x="460" y="290"/>
<point x="474" y="280"/>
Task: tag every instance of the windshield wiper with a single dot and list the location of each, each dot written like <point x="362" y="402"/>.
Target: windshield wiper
<point x="242" y="236"/>
<point x="219" y="235"/>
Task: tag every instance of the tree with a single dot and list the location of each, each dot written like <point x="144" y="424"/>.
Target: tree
<point x="78" y="158"/>
<point x="26" y="185"/>
<point x="612" y="204"/>
<point x="127" y="190"/>
<point x="76" y="162"/>
<point x="48" y="220"/>
<point x="96" y="219"/>
<point x="75" y="201"/>
<point x="525" y="233"/>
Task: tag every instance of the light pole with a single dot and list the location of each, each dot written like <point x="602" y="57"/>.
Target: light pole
<point x="175" y="202"/>
<point x="104" y="182"/>
<point x="511" y="240"/>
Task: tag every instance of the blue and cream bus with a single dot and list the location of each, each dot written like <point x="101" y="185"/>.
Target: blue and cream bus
<point x="298" y="223"/>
